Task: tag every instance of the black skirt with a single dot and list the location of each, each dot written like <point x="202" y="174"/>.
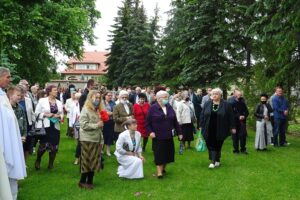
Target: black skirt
<point x="50" y="141"/>
<point x="187" y="132"/>
<point x="108" y="132"/>
<point x="163" y="151"/>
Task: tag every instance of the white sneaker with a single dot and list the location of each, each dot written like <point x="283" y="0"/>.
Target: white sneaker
<point x="217" y="164"/>
<point x="211" y="166"/>
<point x="108" y="154"/>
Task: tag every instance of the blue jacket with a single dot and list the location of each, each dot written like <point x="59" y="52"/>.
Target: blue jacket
<point x="280" y="104"/>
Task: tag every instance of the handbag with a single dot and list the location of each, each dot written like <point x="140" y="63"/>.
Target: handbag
<point x="40" y="131"/>
<point x="200" y="144"/>
<point x="77" y="125"/>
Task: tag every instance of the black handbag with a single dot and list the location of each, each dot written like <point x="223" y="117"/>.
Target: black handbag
<point x="40" y="131"/>
<point x="77" y="125"/>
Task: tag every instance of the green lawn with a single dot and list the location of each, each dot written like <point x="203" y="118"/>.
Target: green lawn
<point x="274" y="174"/>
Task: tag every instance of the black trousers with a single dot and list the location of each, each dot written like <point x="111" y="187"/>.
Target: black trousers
<point x="239" y="139"/>
<point x="214" y="149"/>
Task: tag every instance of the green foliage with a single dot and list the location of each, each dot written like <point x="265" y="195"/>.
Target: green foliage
<point x="30" y="31"/>
<point x="133" y="53"/>
<point x="205" y="43"/>
<point x="5" y="62"/>
<point x="259" y="175"/>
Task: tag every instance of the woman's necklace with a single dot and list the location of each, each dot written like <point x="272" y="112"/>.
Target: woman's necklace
<point x="215" y="107"/>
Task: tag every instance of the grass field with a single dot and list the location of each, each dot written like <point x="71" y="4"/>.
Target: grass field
<point x="274" y="174"/>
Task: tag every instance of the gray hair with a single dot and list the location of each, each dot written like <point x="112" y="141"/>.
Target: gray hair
<point x="4" y="70"/>
<point x="22" y="88"/>
<point x="123" y="92"/>
<point x="161" y="93"/>
<point x="217" y="91"/>
<point x="184" y="94"/>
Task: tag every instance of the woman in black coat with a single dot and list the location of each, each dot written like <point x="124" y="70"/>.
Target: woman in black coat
<point x="217" y="122"/>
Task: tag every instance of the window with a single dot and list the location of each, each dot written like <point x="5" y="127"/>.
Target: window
<point x="86" y="66"/>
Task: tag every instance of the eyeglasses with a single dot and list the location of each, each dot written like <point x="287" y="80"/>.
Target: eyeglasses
<point x="124" y="97"/>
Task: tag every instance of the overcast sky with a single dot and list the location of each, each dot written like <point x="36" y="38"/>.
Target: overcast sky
<point x="109" y="9"/>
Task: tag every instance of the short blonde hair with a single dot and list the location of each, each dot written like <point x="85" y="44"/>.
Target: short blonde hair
<point x="217" y="91"/>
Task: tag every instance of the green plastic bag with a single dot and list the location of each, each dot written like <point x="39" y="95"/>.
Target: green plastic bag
<point x="200" y="143"/>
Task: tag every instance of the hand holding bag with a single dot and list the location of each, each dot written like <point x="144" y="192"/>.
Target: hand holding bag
<point x="200" y="143"/>
<point x="40" y="131"/>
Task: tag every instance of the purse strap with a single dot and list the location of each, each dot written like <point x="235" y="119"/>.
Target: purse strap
<point x="38" y="118"/>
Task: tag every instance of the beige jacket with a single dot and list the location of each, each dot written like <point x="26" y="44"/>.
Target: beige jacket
<point x="89" y="129"/>
<point x="120" y="116"/>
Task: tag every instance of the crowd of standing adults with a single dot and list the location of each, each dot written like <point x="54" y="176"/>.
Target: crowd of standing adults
<point x="127" y="117"/>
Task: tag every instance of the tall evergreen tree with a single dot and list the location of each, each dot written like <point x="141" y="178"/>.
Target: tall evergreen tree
<point x="134" y="60"/>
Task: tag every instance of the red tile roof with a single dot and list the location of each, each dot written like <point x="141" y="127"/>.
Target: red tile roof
<point x="94" y="57"/>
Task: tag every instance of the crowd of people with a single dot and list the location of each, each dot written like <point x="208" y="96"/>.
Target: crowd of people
<point x="126" y="117"/>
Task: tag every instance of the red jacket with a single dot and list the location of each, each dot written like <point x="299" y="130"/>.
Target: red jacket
<point x="140" y="113"/>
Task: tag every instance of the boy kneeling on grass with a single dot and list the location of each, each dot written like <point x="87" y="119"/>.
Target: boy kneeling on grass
<point x="129" y="152"/>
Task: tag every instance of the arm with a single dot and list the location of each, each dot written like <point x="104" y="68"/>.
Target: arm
<point x="85" y="122"/>
<point x="276" y="106"/>
<point x="246" y="114"/>
<point x="117" y="117"/>
<point x="148" y="122"/>
<point x="257" y="114"/>
<point x="231" y="120"/>
<point x="176" y="125"/>
<point x="67" y="106"/>
<point x="38" y="110"/>
<point x="119" y="145"/>
<point x="178" y="113"/>
<point x="24" y="124"/>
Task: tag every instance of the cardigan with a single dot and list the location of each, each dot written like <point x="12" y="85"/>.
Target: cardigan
<point x="159" y="123"/>
<point x="225" y="119"/>
<point x="43" y="107"/>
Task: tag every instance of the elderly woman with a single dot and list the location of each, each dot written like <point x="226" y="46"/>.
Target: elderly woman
<point x="160" y="122"/>
<point x="122" y="112"/>
<point x="217" y="122"/>
<point x="140" y="111"/>
<point x="91" y="138"/>
<point x="108" y="129"/>
<point x="185" y="113"/>
<point x="129" y="152"/>
<point x="49" y="112"/>
<point x="263" y="113"/>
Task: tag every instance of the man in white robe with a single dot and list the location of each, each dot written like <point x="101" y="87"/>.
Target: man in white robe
<point x="5" y="192"/>
<point x="10" y="138"/>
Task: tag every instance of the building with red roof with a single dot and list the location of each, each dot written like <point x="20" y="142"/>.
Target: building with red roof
<point x="91" y="65"/>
